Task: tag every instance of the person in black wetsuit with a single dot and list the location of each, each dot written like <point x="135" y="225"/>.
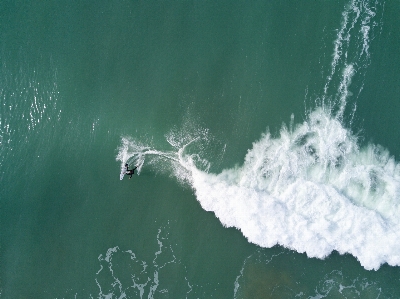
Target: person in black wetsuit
<point x="128" y="171"/>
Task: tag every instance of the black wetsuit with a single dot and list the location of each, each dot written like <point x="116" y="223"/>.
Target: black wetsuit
<point x="130" y="171"/>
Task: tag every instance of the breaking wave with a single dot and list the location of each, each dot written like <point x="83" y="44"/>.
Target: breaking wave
<point x="312" y="189"/>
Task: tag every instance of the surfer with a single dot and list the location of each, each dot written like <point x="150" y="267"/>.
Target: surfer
<point x="129" y="171"/>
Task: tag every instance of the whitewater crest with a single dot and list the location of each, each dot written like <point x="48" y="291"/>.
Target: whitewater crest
<point x="312" y="190"/>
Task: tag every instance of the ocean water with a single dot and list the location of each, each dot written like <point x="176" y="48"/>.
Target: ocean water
<point x="266" y="136"/>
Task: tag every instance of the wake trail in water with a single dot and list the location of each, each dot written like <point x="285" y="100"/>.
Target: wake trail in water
<point x="135" y="153"/>
<point x="312" y="188"/>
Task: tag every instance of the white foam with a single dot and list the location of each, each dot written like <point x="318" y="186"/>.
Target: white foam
<point x="311" y="190"/>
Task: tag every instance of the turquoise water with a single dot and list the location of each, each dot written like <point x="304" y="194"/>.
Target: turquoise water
<point x="265" y="134"/>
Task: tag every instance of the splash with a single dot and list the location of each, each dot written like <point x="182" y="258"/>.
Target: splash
<point x="176" y="162"/>
<point x="187" y="145"/>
